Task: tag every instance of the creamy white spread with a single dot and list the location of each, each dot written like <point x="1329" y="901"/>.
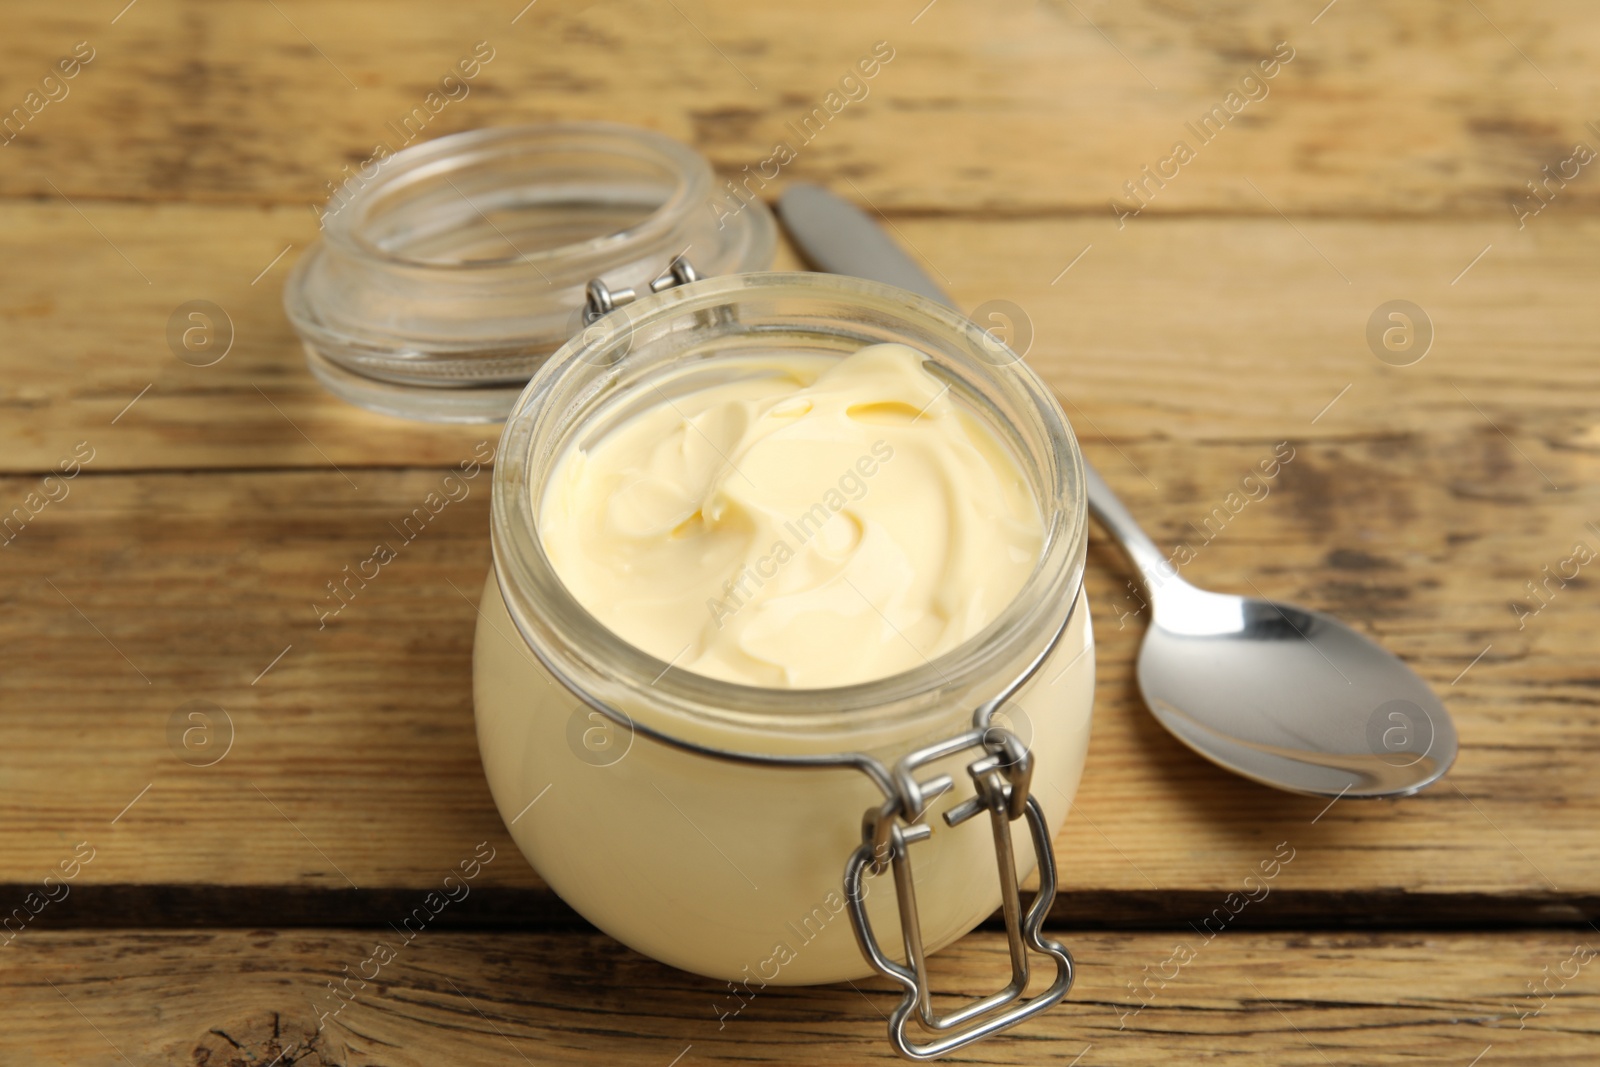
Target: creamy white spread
<point x="804" y="522"/>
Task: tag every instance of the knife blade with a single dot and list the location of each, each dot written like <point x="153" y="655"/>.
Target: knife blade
<point x="837" y="237"/>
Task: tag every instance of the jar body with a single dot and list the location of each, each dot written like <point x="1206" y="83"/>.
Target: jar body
<point x="684" y="820"/>
<point x="736" y="871"/>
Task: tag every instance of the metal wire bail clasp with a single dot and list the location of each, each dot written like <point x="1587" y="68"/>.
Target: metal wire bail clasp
<point x="1001" y="778"/>
<point x="600" y="299"/>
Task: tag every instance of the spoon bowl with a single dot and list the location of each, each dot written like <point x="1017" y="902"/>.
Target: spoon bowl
<point x="1289" y="697"/>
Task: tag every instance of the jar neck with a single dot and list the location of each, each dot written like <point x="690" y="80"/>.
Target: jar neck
<point x="688" y="326"/>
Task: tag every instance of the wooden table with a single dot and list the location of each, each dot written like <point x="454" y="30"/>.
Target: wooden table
<point x="209" y="907"/>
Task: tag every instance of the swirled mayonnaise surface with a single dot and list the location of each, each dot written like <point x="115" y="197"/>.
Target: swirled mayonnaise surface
<point x="803" y="522"/>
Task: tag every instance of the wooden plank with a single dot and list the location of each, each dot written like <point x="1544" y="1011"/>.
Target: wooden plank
<point x="181" y="568"/>
<point x="246" y="997"/>
<point x="1408" y="109"/>
<point x="354" y="762"/>
<point x="1202" y="329"/>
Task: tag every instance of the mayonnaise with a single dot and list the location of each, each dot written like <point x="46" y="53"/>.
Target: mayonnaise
<point x="805" y="522"/>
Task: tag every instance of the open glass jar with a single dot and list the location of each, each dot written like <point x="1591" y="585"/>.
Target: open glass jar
<point x="450" y="271"/>
<point x="746" y="833"/>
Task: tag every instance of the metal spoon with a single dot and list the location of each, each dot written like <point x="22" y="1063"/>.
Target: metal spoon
<point x="1287" y="697"/>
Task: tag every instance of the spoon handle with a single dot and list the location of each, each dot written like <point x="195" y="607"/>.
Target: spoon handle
<point x="1125" y="530"/>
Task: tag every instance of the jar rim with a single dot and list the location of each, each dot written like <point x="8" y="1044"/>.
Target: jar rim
<point x="470" y="148"/>
<point x="572" y="384"/>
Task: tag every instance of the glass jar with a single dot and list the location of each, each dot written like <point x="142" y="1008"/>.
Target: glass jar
<point x="739" y="832"/>
<point x="448" y="272"/>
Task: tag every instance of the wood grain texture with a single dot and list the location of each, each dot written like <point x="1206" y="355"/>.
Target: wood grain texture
<point x="181" y="569"/>
<point x="354" y="762"/>
<point x="1048" y="107"/>
<point x="1297" y="1000"/>
<point x="1194" y="330"/>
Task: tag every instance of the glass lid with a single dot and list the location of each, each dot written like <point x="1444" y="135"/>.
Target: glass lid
<point x="448" y="272"/>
